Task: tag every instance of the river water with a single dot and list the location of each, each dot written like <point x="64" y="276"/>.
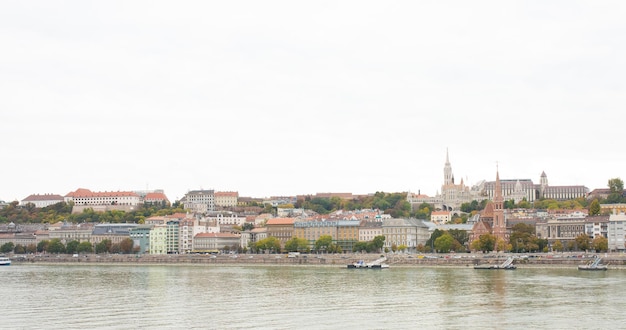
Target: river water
<point x="307" y="297"/>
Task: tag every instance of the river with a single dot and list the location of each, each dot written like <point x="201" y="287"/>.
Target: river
<point x="87" y="296"/>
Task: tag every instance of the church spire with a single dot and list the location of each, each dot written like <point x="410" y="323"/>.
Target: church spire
<point x="447" y="171"/>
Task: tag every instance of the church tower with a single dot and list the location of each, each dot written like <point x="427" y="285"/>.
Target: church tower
<point x="448" y="178"/>
<point x="499" y="223"/>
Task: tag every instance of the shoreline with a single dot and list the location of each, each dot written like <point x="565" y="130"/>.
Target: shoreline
<point x="394" y="260"/>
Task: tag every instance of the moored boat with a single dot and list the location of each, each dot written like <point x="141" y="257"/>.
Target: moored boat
<point x="4" y="261"/>
<point x="377" y="264"/>
<point x="594" y="265"/>
<point x="506" y="265"/>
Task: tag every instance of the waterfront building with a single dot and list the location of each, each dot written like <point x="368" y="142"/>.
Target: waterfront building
<point x="114" y="232"/>
<point x="281" y="228"/>
<point x="566" y="227"/>
<point x="186" y="233"/>
<point x="141" y="237"/>
<point x="344" y="232"/>
<point x="199" y="201"/>
<point x="68" y="232"/>
<point x="370" y="229"/>
<point x="158" y="239"/>
<point x="208" y="242"/>
<point x="172" y="237"/>
<point x="617" y="232"/>
<point x="250" y="237"/>
<point x="407" y="232"/>
<point x="42" y="200"/>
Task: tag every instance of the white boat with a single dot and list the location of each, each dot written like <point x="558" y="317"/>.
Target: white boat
<point x="594" y="265"/>
<point x="4" y="261"/>
<point x="377" y="264"/>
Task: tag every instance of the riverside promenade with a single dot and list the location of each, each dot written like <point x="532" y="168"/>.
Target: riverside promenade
<point x="615" y="261"/>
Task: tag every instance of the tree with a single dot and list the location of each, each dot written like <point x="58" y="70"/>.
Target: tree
<point x="557" y="246"/>
<point x="594" y="207"/>
<point x="616" y="185"/>
<point x="126" y="245"/>
<point x="600" y="244"/>
<point x="43" y="245"/>
<point x="377" y="243"/>
<point x="296" y="244"/>
<point x="72" y="246"/>
<point x="487" y="242"/>
<point x="84" y="247"/>
<point x="56" y="246"/>
<point x="19" y="249"/>
<point x="323" y="243"/>
<point x="582" y="242"/>
<point x="269" y="244"/>
<point x="7" y="247"/>
<point x="444" y="243"/>
<point x="104" y="246"/>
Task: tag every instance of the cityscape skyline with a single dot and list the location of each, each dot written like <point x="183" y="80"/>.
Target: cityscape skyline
<point x="286" y="98"/>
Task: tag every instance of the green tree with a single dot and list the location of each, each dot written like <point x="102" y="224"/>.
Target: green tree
<point x="19" y="249"/>
<point x="436" y="233"/>
<point x="444" y="243"/>
<point x="84" y="247"/>
<point x="296" y="244"/>
<point x="600" y="244"/>
<point x="269" y="244"/>
<point x="360" y="246"/>
<point x="377" y="243"/>
<point x="594" y="207"/>
<point x="104" y="246"/>
<point x="323" y="242"/>
<point x="7" y="247"/>
<point x="72" y="246"/>
<point x="582" y="242"/>
<point x="487" y="242"/>
<point x="557" y="246"/>
<point x="616" y="185"/>
<point x="42" y="246"/>
<point x="461" y="236"/>
<point x="56" y="246"/>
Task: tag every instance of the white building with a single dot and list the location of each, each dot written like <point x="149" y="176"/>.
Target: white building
<point x="42" y="200"/>
<point x="616" y="232"/>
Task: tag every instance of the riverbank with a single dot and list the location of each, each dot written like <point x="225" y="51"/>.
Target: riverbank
<point x="617" y="261"/>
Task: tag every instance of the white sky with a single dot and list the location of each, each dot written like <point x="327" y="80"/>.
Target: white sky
<point x="292" y="97"/>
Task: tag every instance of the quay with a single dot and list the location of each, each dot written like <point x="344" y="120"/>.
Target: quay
<point x="616" y="261"/>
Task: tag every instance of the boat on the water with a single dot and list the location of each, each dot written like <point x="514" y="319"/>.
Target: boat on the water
<point x="4" y="261"/>
<point x="377" y="264"/>
<point x="506" y="265"/>
<point x="594" y="265"/>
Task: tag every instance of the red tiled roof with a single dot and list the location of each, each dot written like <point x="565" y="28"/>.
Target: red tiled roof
<point x="280" y="221"/>
<point x="86" y="193"/>
<point x="155" y="197"/>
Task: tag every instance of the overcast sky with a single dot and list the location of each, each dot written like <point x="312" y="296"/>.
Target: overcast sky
<point x="290" y="97"/>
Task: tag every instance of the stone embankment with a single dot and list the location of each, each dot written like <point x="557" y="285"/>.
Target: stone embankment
<point x="442" y="260"/>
